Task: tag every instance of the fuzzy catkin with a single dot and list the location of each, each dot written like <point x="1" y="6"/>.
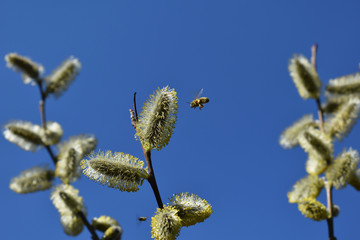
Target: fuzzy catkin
<point x="289" y="137"/>
<point x="307" y="187"/>
<point x="115" y="170"/>
<point x="305" y="77"/>
<point x="32" y="180"/>
<point x="157" y="119"/>
<point x="192" y="208"/>
<point x="166" y="224"/>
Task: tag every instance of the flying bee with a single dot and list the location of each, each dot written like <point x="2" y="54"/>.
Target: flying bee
<point x="142" y="219"/>
<point x="199" y="101"/>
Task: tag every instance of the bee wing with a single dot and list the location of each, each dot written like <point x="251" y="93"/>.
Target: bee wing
<point x="199" y="94"/>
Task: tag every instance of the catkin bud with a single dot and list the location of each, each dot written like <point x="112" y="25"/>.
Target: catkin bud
<point x="70" y="154"/>
<point x="32" y="180"/>
<point x="66" y="199"/>
<point x="343" y="167"/>
<point x="305" y="77"/>
<point x="192" y="208"/>
<point x="289" y="137"/>
<point x="112" y="233"/>
<point x="317" y="144"/>
<point x="157" y="119"/>
<point x="104" y="222"/>
<point x="30" y="70"/>
<point x="313" y="209"/>
<point x="354" y="179"/>
<point x="341" y="123"/>
<point x="118" y="170"/>
<point x="344" y="87"/>
<point x="30" y="137"/>
<point x="166" y="223"/>
<point x="62" y="77"/>
<point x="72" y="224"/>
<point x="307" y="187"/>
<point x="315" y="166"/>
<point x="332" y="105"/>
<point x="52" y="134"/>
<point x="335" y="210"/>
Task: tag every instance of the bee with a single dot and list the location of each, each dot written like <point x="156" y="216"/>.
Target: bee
<point x="199" y="101"/>
<point x="142" y="219"/>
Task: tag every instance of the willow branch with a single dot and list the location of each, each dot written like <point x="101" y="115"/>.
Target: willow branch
<point x="147" y="155"/>
<point x="328" y="185"/>
<point x="94" y="236"/>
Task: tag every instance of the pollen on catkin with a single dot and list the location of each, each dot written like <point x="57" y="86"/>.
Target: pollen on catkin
<point x="343" y="167"/>
<point x="192" y="208"/>
<point x="66" y="199"/>
<point x="317" y="144"/>
<point x="30" y="70"/>
<point x="289" y="137"/>
<point x="115" y="170"/>
<point x="72" y="224"/>
<point x="339" y="124"/>
<point x="70" y="154"/>
<point x="344" y="87"/>
<point x="307" y="187"/>
<point x="313" y="209"/>
<point x="166" y="224"/>
<point x="305" y="77"/>
<point x="62" y="77"/>
<point x="32" y="180"/>
<point x="157" y="119"/>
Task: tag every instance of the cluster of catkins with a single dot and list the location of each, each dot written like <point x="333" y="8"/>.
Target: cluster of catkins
<point x="126" y="172"/>
<point x="317" y="137"/>
<point x="117" y="170"/>
<point x="32" y="137"/>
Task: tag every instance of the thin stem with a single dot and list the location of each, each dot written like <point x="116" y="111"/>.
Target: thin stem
<point x="94" y="236"/>
<point x="314" y="49"/>
<point x="51" y="153"/>
<point x="42" y="103"/>
<point x="320" y="114"/>
<point x="147" y="154"/>
<point x="330" y="220"/>
<point x="152" y="179"/>
<point x="318" y="102"/>
<point x="328" y="185"/>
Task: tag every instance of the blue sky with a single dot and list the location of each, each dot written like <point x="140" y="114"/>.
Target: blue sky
<point x="228" y="153"/>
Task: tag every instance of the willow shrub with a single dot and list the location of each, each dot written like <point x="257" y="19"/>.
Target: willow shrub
<point x="336" y="117"/>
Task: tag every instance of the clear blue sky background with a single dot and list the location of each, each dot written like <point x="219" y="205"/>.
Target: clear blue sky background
<point x="228" y="153"/>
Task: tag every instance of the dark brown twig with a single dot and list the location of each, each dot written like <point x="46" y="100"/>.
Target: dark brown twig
<point x="94" y="236"/>
<point x="152" y="179"/>
<point x="136" y="114"/>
